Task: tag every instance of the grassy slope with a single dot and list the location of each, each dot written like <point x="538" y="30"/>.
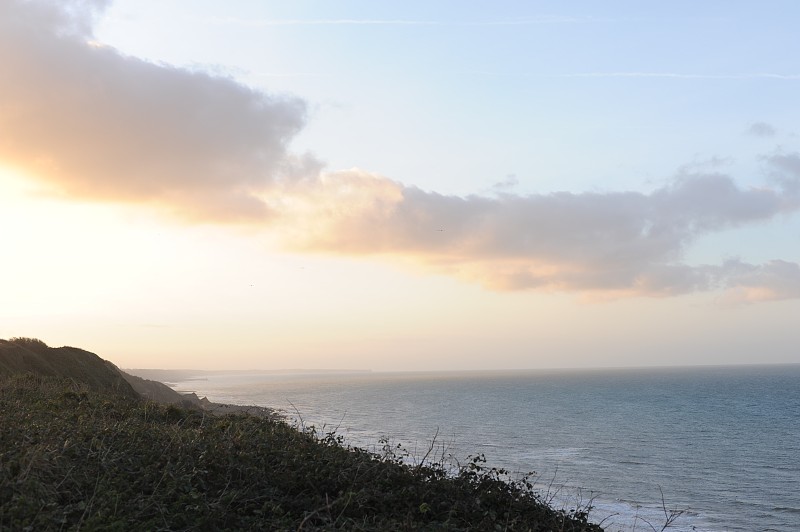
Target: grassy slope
<point x="29" y="355"/>
<point x="76" y="458"/>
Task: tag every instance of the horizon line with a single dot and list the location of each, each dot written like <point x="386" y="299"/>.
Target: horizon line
<point x="473" y="370"/>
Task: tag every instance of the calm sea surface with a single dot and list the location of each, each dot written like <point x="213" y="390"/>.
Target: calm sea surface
<point x="723" y="444"/>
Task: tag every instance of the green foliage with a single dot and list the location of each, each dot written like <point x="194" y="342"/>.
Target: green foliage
<point x="76" y="458"/>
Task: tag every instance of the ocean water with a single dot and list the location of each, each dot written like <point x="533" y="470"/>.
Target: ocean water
<point x="721" y="444"/>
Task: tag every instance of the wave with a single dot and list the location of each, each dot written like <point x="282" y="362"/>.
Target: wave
<point x="784" y="509"/>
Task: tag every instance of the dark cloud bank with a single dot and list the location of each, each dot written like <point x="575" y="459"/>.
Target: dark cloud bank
<point x="96" y="124"/>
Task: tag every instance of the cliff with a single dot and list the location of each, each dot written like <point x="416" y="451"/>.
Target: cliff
<point x="28" y="355"/>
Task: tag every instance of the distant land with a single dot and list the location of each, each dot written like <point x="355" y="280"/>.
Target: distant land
<point x="176" y="375"/>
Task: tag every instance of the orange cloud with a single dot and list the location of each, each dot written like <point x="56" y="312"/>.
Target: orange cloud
<point x="96" y="124"/>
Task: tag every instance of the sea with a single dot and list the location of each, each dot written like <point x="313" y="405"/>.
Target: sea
<point x="709" y="448"/>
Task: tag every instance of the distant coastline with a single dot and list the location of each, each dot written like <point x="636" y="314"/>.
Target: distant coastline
<point x="168" y="376"/>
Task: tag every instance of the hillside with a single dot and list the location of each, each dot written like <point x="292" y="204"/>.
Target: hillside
<point x="74" y="458"/>
<point x="82" y="450"/>
<point x="161" y="393"/>
<point x="28" y="355"/>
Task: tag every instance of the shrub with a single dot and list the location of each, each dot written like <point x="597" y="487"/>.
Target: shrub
<point x="30" y="343"/>
<point x="72" y="459"/>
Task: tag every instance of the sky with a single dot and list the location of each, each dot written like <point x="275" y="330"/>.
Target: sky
<point x="401" y="186"/>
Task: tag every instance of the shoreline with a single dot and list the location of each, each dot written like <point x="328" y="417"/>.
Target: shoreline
<point x="262" y="412"/>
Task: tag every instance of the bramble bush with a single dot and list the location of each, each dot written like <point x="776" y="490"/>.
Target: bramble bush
<point x="74" y="458"/>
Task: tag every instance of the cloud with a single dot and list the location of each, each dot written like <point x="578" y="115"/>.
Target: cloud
<point x="761" y="129"/>
<point x="325" y="22"/>
<point x="101" y="125"/>
<point x="528" y="21"/>
<point x="506" y="184"/>
<point x="95" y="124"/>
<point x="784" y="170"/>
<point x="624" y="243"/>
<point x="775" y="280"/>
<point x="684" y="75"/>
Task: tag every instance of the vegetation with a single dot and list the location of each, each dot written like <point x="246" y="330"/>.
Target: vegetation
<point x="76" y="457"/>
<point x="29" y="355"/>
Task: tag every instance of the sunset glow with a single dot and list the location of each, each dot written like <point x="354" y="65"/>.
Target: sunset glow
<point x="420" y="186"/>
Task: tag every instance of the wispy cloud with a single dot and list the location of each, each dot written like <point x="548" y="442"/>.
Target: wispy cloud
<point x="681" y="75"/>
<point x="761" y="129"/>
<point x="530" y="21"/>
<point x="640" y="75"/>
<point x="322" y="22"/>
<point x="527" y="21"/>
